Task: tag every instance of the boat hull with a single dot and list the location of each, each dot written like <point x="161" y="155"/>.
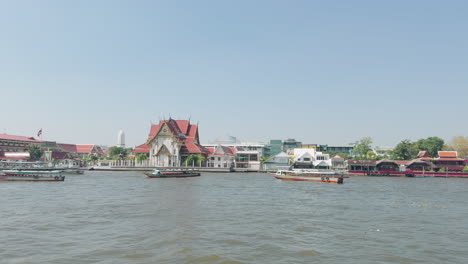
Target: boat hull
<point x="37" y="178"/>
<point x="72" y="172"/>
<point x="173" y="175"/>
<point x="327" y="179"/>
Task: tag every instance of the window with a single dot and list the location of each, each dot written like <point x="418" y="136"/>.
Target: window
<point x="306" y="159"/>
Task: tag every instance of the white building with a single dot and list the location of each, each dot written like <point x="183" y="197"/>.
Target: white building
<point x="121" y="139"/>
<point x="221" y="157"/>
<point x="310" y="158"/>
<point x="247" y="155"/>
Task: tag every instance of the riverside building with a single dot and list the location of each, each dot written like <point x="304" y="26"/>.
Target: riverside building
<point x="171" y="141"/>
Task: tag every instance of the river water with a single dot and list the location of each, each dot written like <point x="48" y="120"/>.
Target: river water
<point x="231" y="218"/>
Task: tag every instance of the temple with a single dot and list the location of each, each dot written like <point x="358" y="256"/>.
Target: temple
<point x="171" y="141"/>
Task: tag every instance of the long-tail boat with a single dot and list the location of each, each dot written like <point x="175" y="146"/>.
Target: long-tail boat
<point x="311" y="175"/>
<point x="31" y="177"/>
<point x="172" y="174"/>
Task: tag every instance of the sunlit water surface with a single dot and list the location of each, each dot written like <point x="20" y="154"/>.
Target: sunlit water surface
<point x="124" y="217"/>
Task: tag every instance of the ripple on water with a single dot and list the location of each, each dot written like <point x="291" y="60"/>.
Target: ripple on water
<point x="204" y="259"/>
<point x="307" y="253"/>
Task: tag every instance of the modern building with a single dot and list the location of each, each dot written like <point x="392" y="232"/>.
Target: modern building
<point x="290" y="143"/>
<point x="275" y="146"/>
<point x="121" y="139"/>
<point x="347" y="149"/>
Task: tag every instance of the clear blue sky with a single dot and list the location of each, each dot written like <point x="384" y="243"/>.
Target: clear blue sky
<point x="318" y="71"/>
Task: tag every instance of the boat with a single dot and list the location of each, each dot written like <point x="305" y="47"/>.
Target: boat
<point x="31" y="177"/>
<point x="71" y="172"/>
<point x="31" y="172"/>
<point x="311" y="175"/>
<point x="172" y="174"/>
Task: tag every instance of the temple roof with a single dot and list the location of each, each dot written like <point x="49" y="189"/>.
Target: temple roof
<point x="19" y="138"/>
<point x="447" y="154"/>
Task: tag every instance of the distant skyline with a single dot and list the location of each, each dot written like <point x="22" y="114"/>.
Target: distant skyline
<point x="327" y="72"/>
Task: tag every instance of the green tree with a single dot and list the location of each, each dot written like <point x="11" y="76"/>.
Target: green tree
<point x="141" y="157"/>
<point x="370" y="155"/>
<point x="194" y="159"/>
<point x="117" y="152"/>
<point x="431" y="144"/>
<point x="362" y="147"/>
<point x="465" y="169"/>
<point x="405" y="150"/>
<point x="35" y="152"/>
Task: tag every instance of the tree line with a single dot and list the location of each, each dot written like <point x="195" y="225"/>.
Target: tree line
<point x="407" y="149"/>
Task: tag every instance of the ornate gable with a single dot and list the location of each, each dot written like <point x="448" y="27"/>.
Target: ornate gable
<point x="164" y="131"/>
<point x="163" y="150"/>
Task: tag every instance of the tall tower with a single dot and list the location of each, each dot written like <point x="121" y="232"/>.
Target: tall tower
<point x="121" y="139"/>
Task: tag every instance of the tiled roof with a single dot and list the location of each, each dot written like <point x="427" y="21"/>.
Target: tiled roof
<point x="183" y="125"/>
<point x="84" y="149"/>
<point x="210" y="149"/>
<point x="227" y="150"/>
<point x="59" y="155"/>
<point x="80" y="148"/>
<point x="68" y="147"/>
<point x="19" y="138"/>
<point x="141" y="149"/>
<point x="153" y="130"/>
<point x="193" y="148"/>
<point x="447" y="154"/>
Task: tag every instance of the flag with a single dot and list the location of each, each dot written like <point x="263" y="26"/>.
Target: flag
<point x="39" y="133"/>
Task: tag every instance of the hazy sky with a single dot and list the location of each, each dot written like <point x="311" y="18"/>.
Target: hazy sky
<point x="327" y="72"/>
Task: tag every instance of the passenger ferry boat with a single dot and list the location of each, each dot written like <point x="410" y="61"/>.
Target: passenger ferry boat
<point x="31" y="177"/>
<point x="31" y="172"/>
<point x="311" y="175"/>
<point x="172" y="174"/>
